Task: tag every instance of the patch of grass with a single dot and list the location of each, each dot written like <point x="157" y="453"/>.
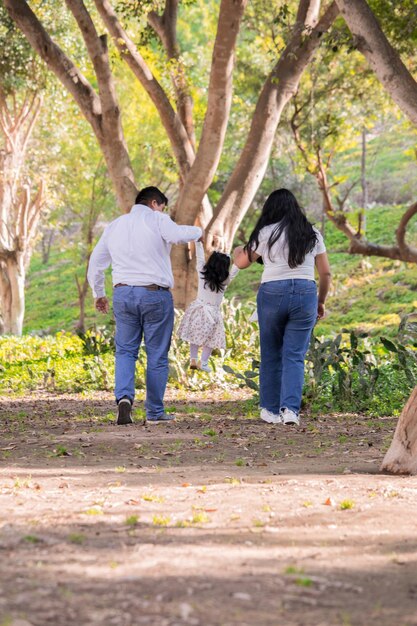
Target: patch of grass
<point x="151" y="497"/>
<point x="176" y="446"/>
<point x="210" y="432"/>
<point x="303" y="581"/>
<point x="293" y="569"/>
<point x="240" y="462"/>
<point x="76" y="538"/>
<point x="276" y="454"/>
<point x="94" y="510"/>
<point x="32" y="539"/>
<point x="232" y="481"/>
<point x="346" y="504"/>
<point x="59" y="451"/>
<point x="22" y="483"/>
<point x="159" y="520"/>
<point x="258" y="523"/>
<point x="199" y="516"/>
<point x="120" y="469"/>
<point x="132" y="520"/>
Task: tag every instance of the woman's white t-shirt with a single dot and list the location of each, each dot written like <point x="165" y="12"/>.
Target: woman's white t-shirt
<point x="276" y="260"/>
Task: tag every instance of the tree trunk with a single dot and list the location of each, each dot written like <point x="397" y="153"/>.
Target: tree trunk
<point x="19" y="211"/>
<point x="12" y="293"/>
<point x="82" y="294"/>
<point x="401" y="457"/>
<point x="46" y="244"/>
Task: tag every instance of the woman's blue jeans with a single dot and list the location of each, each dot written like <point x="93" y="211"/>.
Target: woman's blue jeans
<point x="287" y="312"/>
<point x="141" y="313"/>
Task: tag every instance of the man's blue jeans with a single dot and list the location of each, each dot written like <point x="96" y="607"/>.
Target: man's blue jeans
<point x="141" y="313"/>
<point x="287" y="311"/>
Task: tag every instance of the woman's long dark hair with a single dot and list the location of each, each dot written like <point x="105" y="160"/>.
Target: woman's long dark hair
<point x="216" y="271"/>
<point x="281" y="208"/>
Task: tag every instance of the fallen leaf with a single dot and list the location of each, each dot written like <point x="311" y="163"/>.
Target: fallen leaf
<point x="186" y="485"/>
<point x="330" y="502"/>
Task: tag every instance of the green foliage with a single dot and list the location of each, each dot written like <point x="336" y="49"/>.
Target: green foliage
<point x="354" y="372"/>
<point x="56" y="363"/>
<point x="19" y="65"/>
<point x="96" y="341"/>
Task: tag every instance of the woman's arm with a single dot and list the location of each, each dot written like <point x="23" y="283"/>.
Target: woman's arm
<point x="241" y="258"/>
<point x="323" y="269"/>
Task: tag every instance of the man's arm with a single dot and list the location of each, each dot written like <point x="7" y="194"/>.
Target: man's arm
<point x="99" y="261"/>
<point x="175" y="233"/>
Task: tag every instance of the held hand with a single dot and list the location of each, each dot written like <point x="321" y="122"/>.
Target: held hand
<point x="102" y="305"/>
<point x="237" y="252"/>
<point x="321" y="311"/>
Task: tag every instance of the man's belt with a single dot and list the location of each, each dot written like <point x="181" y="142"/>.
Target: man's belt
<point x="152" y="287"/>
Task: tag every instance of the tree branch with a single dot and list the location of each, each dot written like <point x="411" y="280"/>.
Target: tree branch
<point x="380" y="54"/>
<point x="176" y="132"/>
<point x="165" y="27"/>
<point x="400" y="233"/>
<point x="279" y="88"/>
<point x="57" y="61"/>
<point x="359" y="244"/>
<point x="216" y="119"/>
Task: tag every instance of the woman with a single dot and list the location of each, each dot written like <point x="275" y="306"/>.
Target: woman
<point x="288" y="306"/>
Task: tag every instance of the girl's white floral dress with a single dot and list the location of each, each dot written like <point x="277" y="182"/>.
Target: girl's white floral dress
<point x="202" y="323"/>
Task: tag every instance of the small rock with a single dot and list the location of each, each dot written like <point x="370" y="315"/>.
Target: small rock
<point x="240" y="595"/>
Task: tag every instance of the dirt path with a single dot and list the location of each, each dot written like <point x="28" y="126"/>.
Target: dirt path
<point x="215" y="519"/>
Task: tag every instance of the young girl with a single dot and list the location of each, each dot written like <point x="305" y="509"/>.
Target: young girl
<point x="202" y="324"/>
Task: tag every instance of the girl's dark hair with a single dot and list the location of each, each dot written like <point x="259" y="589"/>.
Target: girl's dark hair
<point x="216" y="271"/>
<point x="281" y="208"/>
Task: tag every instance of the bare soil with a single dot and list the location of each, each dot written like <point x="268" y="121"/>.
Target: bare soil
<point x="214" y="519"/>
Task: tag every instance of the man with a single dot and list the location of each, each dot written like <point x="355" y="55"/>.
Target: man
<point x="138" y="245"/>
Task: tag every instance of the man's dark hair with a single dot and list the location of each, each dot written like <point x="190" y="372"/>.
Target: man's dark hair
<point x="147" y="194"/>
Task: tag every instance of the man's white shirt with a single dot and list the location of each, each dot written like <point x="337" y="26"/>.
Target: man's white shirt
<point x="138" y="247"/>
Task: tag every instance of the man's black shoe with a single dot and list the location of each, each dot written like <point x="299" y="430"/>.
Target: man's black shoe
<point x="124" y="413"/>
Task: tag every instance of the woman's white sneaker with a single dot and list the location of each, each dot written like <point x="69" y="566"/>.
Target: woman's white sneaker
<point x="289" y="418"/>
<point x="271" y="418"/>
